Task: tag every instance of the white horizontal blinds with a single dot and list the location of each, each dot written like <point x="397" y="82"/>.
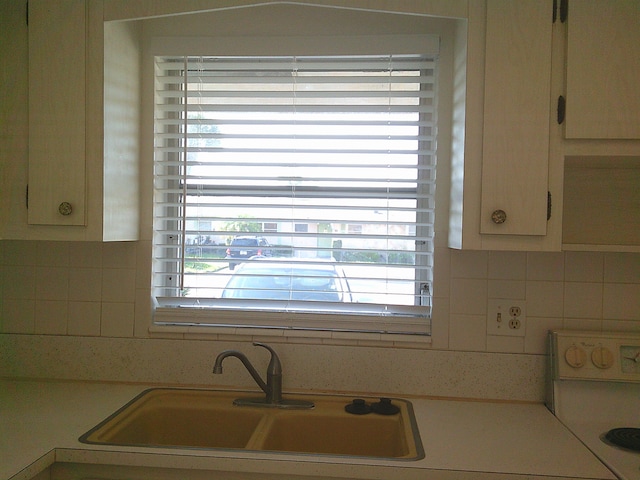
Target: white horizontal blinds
<point x="328" y="159"/>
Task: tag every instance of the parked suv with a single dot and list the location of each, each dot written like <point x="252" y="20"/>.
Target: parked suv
<point x="246" y="247"/>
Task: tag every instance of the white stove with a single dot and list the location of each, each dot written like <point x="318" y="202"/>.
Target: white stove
<point x="594" y="388"/>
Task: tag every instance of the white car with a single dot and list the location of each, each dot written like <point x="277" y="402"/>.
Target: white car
<point x="270" y="279"/>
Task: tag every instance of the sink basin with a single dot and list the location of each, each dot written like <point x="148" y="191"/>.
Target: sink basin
<point x="189" y="418"/>
<point x="340" y="433"/>
<point x="178" y="418"/>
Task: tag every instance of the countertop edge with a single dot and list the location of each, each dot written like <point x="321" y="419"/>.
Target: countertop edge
<point x="38" y="465"/>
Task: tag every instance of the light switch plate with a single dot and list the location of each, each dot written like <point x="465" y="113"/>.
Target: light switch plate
<point x="506" y="317"/>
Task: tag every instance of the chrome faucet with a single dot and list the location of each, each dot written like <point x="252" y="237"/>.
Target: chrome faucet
<point x="273" y="386"/>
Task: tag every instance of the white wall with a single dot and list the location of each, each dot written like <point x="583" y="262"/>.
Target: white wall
<point x="81" y="310"/>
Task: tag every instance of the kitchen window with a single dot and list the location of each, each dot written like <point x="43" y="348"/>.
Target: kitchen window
<point x="252" y="148"/>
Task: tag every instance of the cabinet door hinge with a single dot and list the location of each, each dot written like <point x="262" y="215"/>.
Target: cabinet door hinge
<point x="564" y="10"/>
<point x="562" y="107"/>
<point x="26" y="197"/>
<point x="27" y="13"/>
<point x="548" y="206"/>
<point x="554" y="14"/>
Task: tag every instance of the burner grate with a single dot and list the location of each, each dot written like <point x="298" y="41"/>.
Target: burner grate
<point x="625" y="438"/>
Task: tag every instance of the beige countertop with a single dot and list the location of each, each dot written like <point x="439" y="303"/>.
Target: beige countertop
<point x="41" y="421"/>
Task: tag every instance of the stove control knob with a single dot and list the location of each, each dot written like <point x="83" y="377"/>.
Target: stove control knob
<point x="602" y="357"/>
<point x="575" y="356"/>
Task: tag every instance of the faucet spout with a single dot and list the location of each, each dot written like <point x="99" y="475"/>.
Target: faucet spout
<point x="272" y="388"/>
<point x="217" y="367"/>
<point x="274" y="376"/>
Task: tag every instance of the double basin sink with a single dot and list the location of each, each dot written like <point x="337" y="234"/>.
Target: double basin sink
<point x="208" y="419"/>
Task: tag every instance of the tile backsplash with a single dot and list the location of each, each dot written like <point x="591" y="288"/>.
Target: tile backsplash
<point x="102" y="289"/>
<point x="60" y="300"/>
<point x="575" y="290"/>
<point x="63" y="288"/>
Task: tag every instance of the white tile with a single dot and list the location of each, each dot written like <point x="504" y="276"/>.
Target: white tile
<point x="545" y="299"/>
<point x="621" y="301"/>
<point x="515" y="289"/>
<point x="622" y="267"/>
<point x="545" y="266"/>
<point x="19" y="282"/>
<point x="18" y="316"/>
<point x="86" y="255"/>
<point x="53" y="254"/>
<point x="535" y="340"/>
<point x="468" y="333"/>
<point x="441" y="272"/>
<point x="584" y="267"/>
<point x="507" y="265"/>
<point x="118" y="285"/>
<point x="84" y="318"/>
<point x="468" y="264"/>
<point x="143" y="312"/>
<point x="440" y="324"/>
<point x="468" y="296"/>
<point x="236" y="335"/>
<point x="119" y="254"/>
<point x="19" y="252"/>
<point x="357" y="337"/>
<point x="143" y="265"/>
<point x="51" y="317"/>
<point x="117" y="319"/>
<point x="311" y="335"/>
<point x="505" y="344"/>
<point x="583" y="300"/>
<point x="583" y="324"/>
<point x="621" y="326"/>
<point x="85" y="284"/>
<point x="52" y="283"/>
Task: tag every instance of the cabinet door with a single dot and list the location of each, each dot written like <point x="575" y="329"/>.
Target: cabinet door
<point x="57" y="59"/>
<point x="603" y="69"/>
<point x="517" y="107"/>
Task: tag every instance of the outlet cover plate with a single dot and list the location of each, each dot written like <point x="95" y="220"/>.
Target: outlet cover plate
<point x="501" y="322"/>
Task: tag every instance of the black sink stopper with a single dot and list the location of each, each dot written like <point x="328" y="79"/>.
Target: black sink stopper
<point x="385" y="407"/>
<point x="358" y="407"/>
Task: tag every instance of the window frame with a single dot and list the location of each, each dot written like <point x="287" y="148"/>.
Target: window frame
<point x="169" y="320"/>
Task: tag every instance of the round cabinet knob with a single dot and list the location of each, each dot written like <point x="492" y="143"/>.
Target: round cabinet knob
<point x="602" y="357"/>
<point x="499" y="216"/>
<point x="65" y="208"/>
<point x="575" y="356"/>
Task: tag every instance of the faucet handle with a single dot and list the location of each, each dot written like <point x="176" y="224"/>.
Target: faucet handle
<point x="275" y="367"/>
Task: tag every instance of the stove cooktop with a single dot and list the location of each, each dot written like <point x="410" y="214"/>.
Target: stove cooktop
<point x="594" y="390"/>
<point x="624" y="437"/>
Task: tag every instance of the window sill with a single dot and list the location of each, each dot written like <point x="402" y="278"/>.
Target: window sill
<point x="162" y="329"/>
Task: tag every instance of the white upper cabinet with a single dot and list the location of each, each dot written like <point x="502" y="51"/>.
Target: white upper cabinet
<point x="599" y="140"/>
<point x="57" y="113"/>
<point x="504" y="177"/>
<point x="511" y="62"/>
<point x="603" y="70"/>
<point x="81" y="160"/>
<point x="517" y="92"/>
<point x="527" y="177"/>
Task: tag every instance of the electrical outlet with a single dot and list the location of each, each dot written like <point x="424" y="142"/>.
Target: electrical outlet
<point x="506" y="317"/>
